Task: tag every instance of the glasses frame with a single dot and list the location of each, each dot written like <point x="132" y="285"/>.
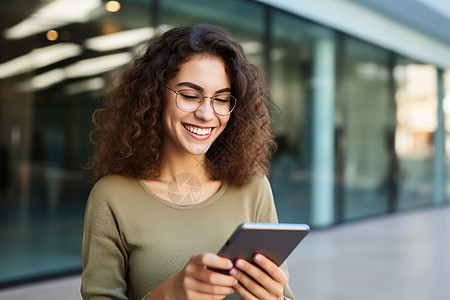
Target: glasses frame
<point x="203" y="99"/>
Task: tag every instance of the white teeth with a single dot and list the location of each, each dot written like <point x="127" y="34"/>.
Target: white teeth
<point x="199" y="131"/>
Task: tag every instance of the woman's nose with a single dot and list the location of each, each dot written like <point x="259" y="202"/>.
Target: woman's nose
<point x="205" y="111"/>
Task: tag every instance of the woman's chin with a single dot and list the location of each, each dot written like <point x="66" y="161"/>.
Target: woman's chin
<point x="198" y="151"/>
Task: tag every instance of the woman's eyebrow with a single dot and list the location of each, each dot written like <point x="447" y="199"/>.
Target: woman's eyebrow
<point x="191" y="85"/>
<point x="199" y="88"/>
<point x="225" y="90"/>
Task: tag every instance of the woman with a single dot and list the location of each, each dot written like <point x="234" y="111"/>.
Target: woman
<point x="183" y="144"/>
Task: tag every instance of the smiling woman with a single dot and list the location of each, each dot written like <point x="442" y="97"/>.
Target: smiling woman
<point x="183" y="139"/>
<point x="241" y="152"/>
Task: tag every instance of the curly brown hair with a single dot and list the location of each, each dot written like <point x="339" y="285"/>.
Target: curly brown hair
<point x="128" y="129"/>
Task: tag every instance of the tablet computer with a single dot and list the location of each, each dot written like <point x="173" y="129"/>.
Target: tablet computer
<point x="275" y="241"/>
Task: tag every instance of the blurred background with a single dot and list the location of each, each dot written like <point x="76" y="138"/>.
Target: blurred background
<point x="360" y="91"/>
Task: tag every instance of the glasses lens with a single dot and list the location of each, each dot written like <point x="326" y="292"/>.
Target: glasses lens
<point x="189" y="100"/>
<point x="224" y="104"/>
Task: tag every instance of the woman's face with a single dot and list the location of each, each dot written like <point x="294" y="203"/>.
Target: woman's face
<point x="194" y="132"/>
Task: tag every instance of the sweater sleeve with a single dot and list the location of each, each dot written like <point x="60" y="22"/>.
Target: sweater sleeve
<point x="267" y="213"/>
<point x="104" y="256"/>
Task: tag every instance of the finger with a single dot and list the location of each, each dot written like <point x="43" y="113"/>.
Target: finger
<point x="207" y="288"/>
<point x="271" y="268"/>
<point x="213" y="261"/>
<point x="213" y="277"/>
<point x="206" y="296"/>
<point x="246" y="283"/>
<point x="242" y="291"/>
<point x="264" y="279"/>
<point x="199" y="271"/>
<point x="253" y="271"/>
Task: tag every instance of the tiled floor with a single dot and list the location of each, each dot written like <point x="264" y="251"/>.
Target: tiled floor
<point x="401" y="256"/>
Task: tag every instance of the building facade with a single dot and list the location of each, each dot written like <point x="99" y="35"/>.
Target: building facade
<point x="360" y="93"/>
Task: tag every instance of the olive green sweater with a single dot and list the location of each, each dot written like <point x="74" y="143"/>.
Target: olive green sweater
<point x="133" y="240"/>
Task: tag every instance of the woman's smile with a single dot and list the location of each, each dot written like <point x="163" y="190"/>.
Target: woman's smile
<point x="197" y="131"/>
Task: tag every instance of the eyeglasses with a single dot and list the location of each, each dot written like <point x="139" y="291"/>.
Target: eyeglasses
<point x="189" y="100"/>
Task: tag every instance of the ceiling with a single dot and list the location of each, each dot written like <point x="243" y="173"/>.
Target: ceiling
<point x="431" y="17"/>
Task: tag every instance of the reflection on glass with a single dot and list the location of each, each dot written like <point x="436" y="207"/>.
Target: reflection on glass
<point x="446" y="108"/>
<point x="56" y="13"/>
<point x="367" y="125"/>
<point x="52" y="35"/>
<point x="112" y="6"/>
<point x="243" y="19"/>
<point x="49" y="90"/>
<point x="416" y="99"/>
<point x="302" y="64"/>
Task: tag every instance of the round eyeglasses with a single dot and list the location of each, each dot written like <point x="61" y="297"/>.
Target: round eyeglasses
<point x="189" y="100"/>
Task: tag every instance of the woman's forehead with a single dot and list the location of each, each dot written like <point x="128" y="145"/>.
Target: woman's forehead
<point x="203" y="72"/>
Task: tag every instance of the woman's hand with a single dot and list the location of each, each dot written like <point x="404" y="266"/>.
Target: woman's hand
<point x="196" y="281"/>
<point x="254" y="283"/>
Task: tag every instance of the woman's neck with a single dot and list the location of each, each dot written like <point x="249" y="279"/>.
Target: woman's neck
<point x="173" y="165"/>
<point x="184" y="180"/>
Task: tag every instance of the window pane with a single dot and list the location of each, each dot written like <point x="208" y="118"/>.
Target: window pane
<point x="51" y="80"/>
<point x="302" y="78"/>
<point x="242" y="18"/>
<point x="367" y="115"/>
<point x="416" y="99"/>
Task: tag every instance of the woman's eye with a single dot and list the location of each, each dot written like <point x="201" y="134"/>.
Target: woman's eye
<point x="188" y="96"/>
<point x="222" y="99"/>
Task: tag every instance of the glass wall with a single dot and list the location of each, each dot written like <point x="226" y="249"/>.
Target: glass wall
<point x="416" y="99"/>
<point x="367" y="114"/>
<point x="302" y="83"/>
<point x="52" y="77"/>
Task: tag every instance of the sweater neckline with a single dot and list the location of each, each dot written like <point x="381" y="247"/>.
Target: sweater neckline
<point x="165" y="202"/>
